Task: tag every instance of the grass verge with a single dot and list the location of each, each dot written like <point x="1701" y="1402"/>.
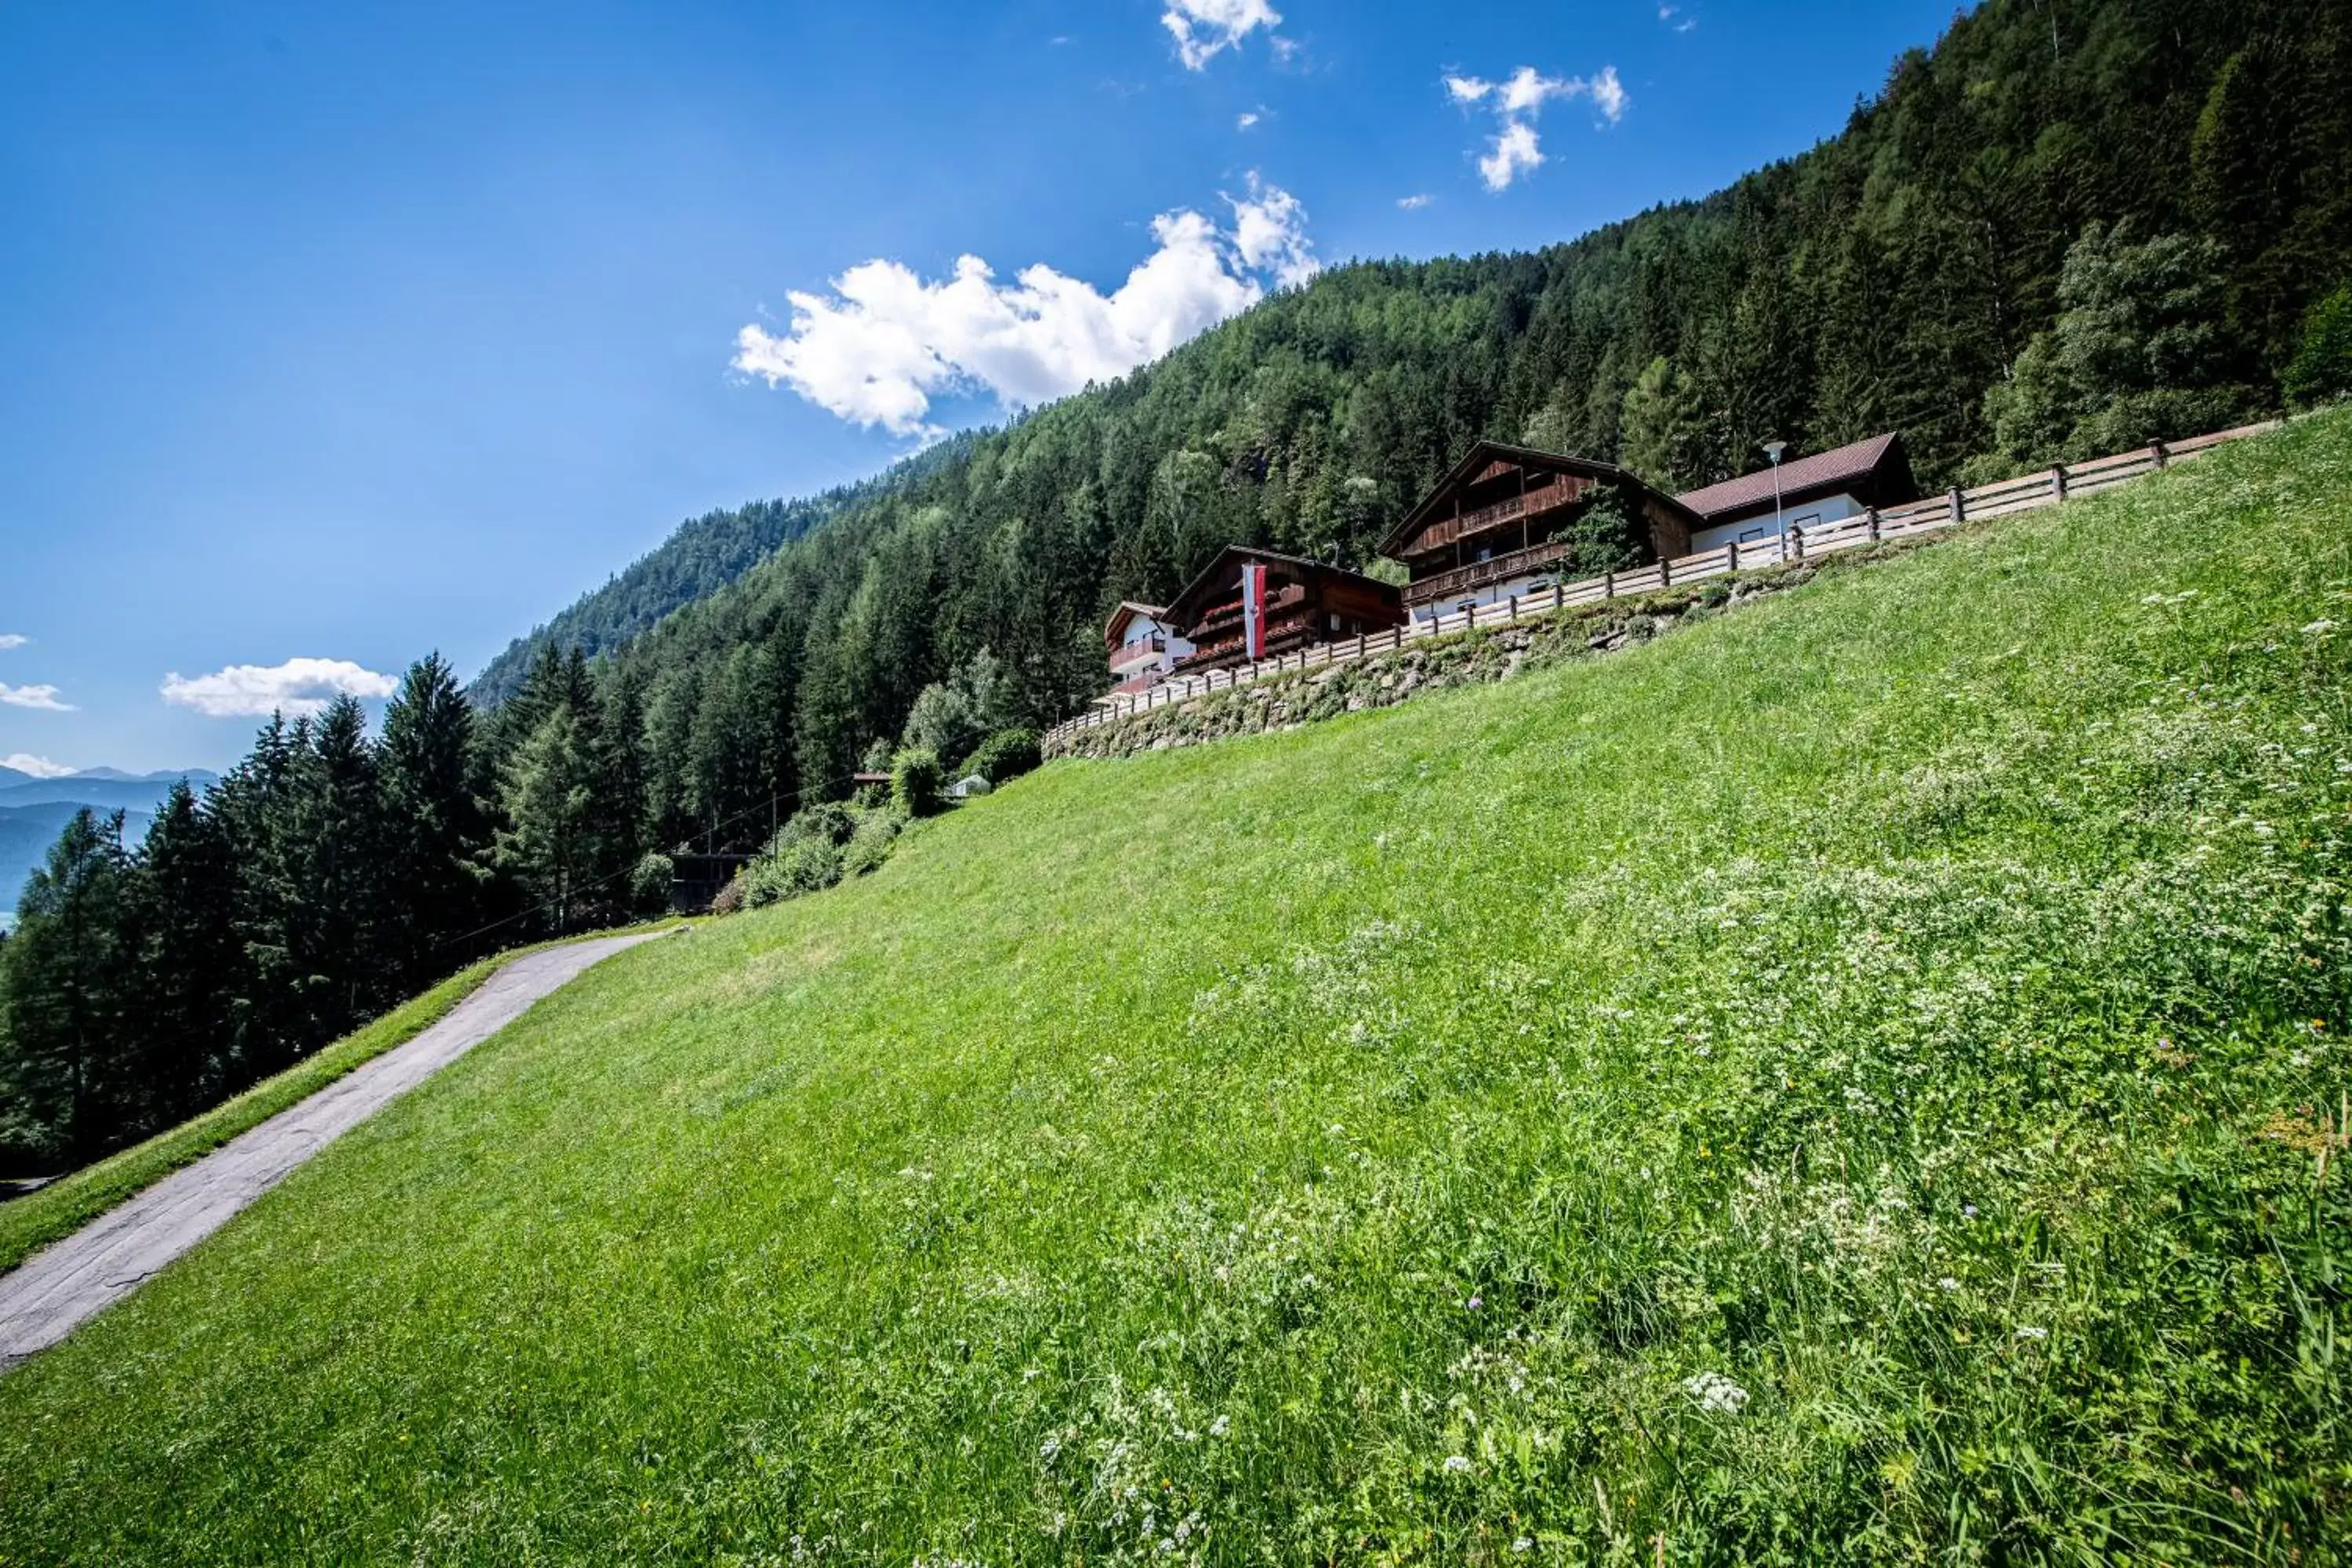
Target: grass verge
<point x="55" y="1211"/>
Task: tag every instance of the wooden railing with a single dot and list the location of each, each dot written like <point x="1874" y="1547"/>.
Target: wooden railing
<point x="1557" y="491"/>
<point x="1479" y="574"/>
<point x="2048" y="487"/>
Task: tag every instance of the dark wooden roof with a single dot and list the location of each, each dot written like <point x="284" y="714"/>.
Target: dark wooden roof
<point x="1185" y="609"/>
<point x="1879" y="465"/>
<point x="1482" y="453"/>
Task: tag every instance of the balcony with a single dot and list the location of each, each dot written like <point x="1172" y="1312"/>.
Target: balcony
<point x="1558" y="491"/>
<point x="1135" y="655"/>
<point x="1478" y="574"/>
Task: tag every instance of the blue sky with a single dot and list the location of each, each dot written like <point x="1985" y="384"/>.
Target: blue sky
<point x="330" y="335"/>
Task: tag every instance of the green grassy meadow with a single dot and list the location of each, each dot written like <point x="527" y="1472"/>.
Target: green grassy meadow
<point x="1853" y="1080"/>
<point x="65" y="1205"/>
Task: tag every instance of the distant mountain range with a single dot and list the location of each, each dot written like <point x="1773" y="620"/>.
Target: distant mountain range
<point x="34" y="811"/>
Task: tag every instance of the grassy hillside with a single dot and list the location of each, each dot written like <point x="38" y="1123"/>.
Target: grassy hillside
<point x="1844" y="1081"/>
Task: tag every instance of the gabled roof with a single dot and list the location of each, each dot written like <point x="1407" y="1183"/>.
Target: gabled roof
<point x="1118" y="618"/>
<point x="1843" y="467"/>
<point x="1482" y="453"/>
<point x="1181" y="610"/>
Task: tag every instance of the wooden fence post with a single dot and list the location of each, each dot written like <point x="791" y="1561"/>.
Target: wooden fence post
<point x="1873" y="525"/>
<point x="2058" y="482"/>
<point x="1608" y="584"/>
<point x="1798" y="535"/>
<point x="1666" y="572"/>
<point x="1959" y="507"/>
<point x="1515" y="606"/>
<point x="1731" y="555"/>
<point x="2156" y="450"/>
<point x="1559" y="594"/>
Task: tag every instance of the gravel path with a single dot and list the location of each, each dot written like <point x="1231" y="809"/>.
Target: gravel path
<point x="57" y="1288"/>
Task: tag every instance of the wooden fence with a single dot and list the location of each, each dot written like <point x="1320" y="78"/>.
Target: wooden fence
<point x="1948" y="510"/>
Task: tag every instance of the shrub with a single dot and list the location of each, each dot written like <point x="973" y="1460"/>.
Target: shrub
<point x="915" y="780"/>
<point x="730" y="898"/>
<point x="649" y="880"/>
<point x="1007" y="754"/>
<point x="806" y="866"/>
<point x="876" y="835"/>
<point x="830" y="822"/>
<point x="2321" y="370"/>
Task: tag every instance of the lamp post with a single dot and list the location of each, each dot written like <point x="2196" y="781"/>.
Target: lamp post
<point x="1773" y="449"/>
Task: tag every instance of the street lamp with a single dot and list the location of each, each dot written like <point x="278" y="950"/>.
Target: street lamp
<point x="1773" y="449"/>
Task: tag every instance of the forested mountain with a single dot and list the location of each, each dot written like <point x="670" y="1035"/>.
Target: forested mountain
<point x="2071" y="224"/>
<point x="704" y="555"/>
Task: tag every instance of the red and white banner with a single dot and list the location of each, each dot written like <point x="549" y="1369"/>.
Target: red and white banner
<point x="1254" y="612"/>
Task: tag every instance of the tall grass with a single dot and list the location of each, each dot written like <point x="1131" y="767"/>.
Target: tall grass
<point x="1847" y="1081"/>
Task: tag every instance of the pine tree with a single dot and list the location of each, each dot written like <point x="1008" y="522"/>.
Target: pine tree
<point x="188" y="963"/>
<point x="63" y="996"/>
<point x="548" y="790"/>
<point x="436" y="834"/>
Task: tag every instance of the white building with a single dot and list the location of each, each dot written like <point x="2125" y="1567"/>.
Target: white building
<point x="1143" y="648"/>
<point x="1812" y="492"/>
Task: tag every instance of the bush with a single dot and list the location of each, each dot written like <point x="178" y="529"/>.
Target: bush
<point x="649" y="880"/>
<point x="828" y="823"/>
<point x="806" y="866"/>
<point x="915" y="781"/>
<point x="875" y="838"/>
<point x="1007" y="754"/>
<point x="2321" y="370"/>
<point x="730" y="898"/>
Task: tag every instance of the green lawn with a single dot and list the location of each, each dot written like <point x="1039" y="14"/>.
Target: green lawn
<point x="1843" y="1081"/>
<point x="32" y="1222"/>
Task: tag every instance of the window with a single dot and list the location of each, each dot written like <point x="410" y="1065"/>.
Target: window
<point x="1487" y="554"/>
<point x="1811" y="519"/>
<point x="1335" y="620"/>
<point x="1748" y="535"/>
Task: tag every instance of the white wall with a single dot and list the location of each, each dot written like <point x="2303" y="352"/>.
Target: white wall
<point x="1811" y="514"/>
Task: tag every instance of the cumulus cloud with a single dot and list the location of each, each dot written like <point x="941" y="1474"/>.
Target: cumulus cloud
<point x="1413" y="203"/>
<point x="298" y="687"/>
<point x="1517" y="100"/>
<point x="1205" y="28"/>
<point x="1245" y="119"/>
<point x="39" y="767"/>
<point x="884" y="341"/>
<point x="10" y="641"/>
<point x="44" y="698"/>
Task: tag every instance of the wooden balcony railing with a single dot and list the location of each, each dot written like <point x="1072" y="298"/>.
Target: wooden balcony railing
<point x="1555" y="492"/>
<point x="1479" y="574"/>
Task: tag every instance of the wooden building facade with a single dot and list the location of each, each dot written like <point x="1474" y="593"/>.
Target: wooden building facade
<point x="1300" y="603"/>
<point x="1492" y="527"/>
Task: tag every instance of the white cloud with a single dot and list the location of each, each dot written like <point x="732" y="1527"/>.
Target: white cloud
<point x="1247" y="118"/>
<point x="44" y="698"/>
<point x="39" y="767"/>
<point x="1413" y="203"/>
<point x="1667" y="14"/>
<point x="10" y="641"/>
<point x="1270" y="232"/>
<point x="1205" y="28"/>
<point x="1511" y="154"/>
<point x="884" y="341"/>
<point x="298" y="687"/>
<point x="1517" y="100"/>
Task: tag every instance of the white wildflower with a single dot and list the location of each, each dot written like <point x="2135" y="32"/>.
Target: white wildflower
<point x="1716" y="1393"/>
<point x="1456" y="1464"/>
<point x="2030" y="1332"/>
<point x="2319" y="628"/>
<point x="1524" y="1544"/>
